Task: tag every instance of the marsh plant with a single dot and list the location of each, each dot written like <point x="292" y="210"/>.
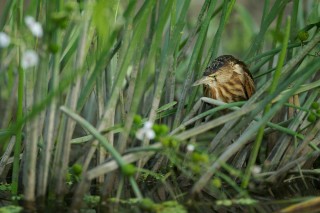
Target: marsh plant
<point x="98" y="109"/>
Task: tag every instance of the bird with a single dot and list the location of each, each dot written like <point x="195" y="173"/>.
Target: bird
<point x="227" y="79"/>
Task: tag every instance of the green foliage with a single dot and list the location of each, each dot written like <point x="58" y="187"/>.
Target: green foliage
<point x="104" y="17"/>
<point x="160" y="130"/>
<point x="315" y="105"/>
<point x="106" y="68"/>
<point x="200" y="157"/>
<point x="314" y="112"/>
<point x="312" y="117"/>
<point x="169" y="142"/>
<point x="171" y="207"/>
<point x="216" y="182"/>
<point x="168" y="206"/>
<point x="5" y="187"/>
<point x="147" y="204"/>
<point x="11" y="209"/>
<point x="91" y="200"/>
<point x="74" y="174"/>
<point x="245" y="201"/>
<point x="77" y="169"/>
<point x="128" y="170"/>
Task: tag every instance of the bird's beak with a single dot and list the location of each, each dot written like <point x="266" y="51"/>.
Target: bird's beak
<point x="203" y="80"/>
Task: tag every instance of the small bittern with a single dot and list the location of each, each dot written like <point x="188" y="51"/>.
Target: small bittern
<point x="227" y="79"/>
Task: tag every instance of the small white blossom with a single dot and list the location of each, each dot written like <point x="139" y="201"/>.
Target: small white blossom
<point x="148" y="125"/>
<point x="35" y="27"/>
<point x="146" y="131"/>
<point x="29" y="59"/>
<point x="4" y="40"/>
<point x="150" y="134"/>
<point x="256" y="169"/>
<point x="36" y="30"/>
<point x="190" y="148"/>
<point x="29" y="20"/>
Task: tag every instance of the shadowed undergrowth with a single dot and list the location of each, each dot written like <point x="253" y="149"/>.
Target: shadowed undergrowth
<point x="98" y="111"/>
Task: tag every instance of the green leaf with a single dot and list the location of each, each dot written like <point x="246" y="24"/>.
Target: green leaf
<point x="166" y="106"/>
<point x="314" y="16"/>
<point x="104" y="14"/>
<point x="10" y="209"/>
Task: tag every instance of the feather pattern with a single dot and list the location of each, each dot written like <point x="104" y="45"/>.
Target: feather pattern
<point x="227" y="79"/>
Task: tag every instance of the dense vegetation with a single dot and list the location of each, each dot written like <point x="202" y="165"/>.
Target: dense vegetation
<point x="98" y="109"/>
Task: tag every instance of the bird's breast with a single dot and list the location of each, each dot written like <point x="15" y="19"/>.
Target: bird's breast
<point x="228" y="91"/>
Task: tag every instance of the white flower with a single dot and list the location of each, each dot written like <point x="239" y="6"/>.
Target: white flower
<point x="4" y="40"/>
<point x="35" y="27"/>
<point x="146" y="131"/>
<point x="29" y="59"/>
<point x="256" y="169"/>
<point x="190" y="148"/>
<point x="148" y="125"/>
<point x="36" y="30"/>
<point x="29" y="20"/>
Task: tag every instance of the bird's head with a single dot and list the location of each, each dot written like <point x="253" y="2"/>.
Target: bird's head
<point x="221" y="70"/>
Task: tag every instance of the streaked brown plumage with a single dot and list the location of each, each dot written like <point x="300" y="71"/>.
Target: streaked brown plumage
<point x="227" y="79"/>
